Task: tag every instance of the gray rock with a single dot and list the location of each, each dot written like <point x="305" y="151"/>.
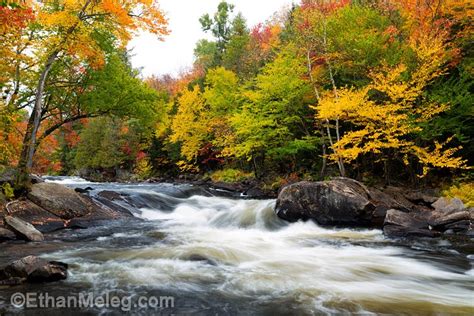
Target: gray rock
<point x="442" y="219"/>
<point x="420" y="197"/>
<point x="399" y="211"/>
<point x="6" y="234"/>
<point x="396" y="217"/>
<point x="8" y="175"/>
<point x="43" y="220"/>
<point x="447" y="205"/>
<point x="401" y="224"/>
<point x="407" y="232"/>
<point x="23" y="228"/>
<point x="337" y="202"/>
<point x="36" y="179"/>
<point x="33" y="270"/>
<point x="59" y="200"/>
<point x="471" y="213"/>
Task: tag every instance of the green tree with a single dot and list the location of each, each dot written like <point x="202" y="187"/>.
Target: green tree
<point x="206" y="54"/>
<point x="100" y="147"/>
<point x="220" y="25"/>
<point x="236" y="54"/>
<point x="274" y="120"/>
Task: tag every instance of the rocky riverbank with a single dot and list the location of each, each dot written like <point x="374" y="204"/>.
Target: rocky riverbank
<point x="342" y="202"/>
<point x="50" y="207"/>
<point x="399" y="212"/>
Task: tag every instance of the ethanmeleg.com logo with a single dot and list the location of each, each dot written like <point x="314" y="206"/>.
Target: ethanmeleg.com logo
<point x="90" y="300"/>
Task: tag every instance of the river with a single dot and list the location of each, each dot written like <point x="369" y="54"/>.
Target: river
<point x="220" y="255"/>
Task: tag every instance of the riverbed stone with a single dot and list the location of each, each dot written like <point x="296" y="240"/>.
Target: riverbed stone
<point x="32" y="269"/>
<point x="59" y="200"/>
<point x="24" y="229"/>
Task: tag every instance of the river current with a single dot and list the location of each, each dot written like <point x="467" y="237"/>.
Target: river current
<point x="221" y="255"/>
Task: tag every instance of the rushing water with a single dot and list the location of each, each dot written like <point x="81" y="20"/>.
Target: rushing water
<point x="226" y="256"/>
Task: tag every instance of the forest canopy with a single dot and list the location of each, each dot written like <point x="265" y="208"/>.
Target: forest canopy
<point x="366" y="89"/>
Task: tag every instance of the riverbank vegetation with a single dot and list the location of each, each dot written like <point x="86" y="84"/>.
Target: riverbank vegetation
<point x="374" y="90"/>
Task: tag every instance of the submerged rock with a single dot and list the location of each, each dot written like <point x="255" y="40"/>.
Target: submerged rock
<point x="23" y="228"/>
<point x="83" y="191"/>
<point x="32" y="269"/>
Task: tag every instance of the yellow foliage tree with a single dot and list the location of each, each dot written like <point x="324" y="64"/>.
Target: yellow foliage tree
<point x="392" y="121"/>
<point x="189" y="126"/>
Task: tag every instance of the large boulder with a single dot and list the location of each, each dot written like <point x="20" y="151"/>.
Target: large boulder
<point x="33" y="270"/>
<point x="337" y="202"/>
<point x="43" y="220"/>
<point x="59" y="200"/>
<point x="399" y="211"/>
<point x="23" y="229"/>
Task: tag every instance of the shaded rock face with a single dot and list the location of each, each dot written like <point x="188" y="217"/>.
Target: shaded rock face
<point x="401" y="224"/>
<point x="427" y="223"/>
<point x="6" y="234"/>
<point x="400" y="212"/>
<point x="43" y="220"/>
<point x="336" y="202"/>
<point x="59" y="200"/>
<point x="32" y="269"/>
<point x="24" y="229"/>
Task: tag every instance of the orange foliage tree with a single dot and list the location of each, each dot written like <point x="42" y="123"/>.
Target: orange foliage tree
<point x="73" y="28"/>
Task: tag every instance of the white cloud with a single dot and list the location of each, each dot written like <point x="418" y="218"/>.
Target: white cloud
<point x="176" y="52"/>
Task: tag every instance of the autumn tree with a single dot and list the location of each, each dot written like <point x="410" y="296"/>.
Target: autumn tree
<point x="203" y="117"/>
<point x="189" y="126"/>
<point x="311" y="25"/>
<point x="73" y="29"/>
<point x="387" y="114"/>
<point x="274" y="119"/>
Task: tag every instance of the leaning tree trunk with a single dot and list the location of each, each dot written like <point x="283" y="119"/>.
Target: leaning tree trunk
<point x="29" y="141"/>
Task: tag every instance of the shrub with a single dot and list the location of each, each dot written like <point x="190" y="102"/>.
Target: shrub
<point x="231" y="175"/>
<point x="8" y="191"/>
<point x="463" y="191"/>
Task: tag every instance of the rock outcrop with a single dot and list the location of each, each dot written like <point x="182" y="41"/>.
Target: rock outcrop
<point x="32" y="269"/>
<point x="59" y="200"/>
<point x="50" y="207"/>
<point x="399" y="212"/>
<point x="43" y="220"/>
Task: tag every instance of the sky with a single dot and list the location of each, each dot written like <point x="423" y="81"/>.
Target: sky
<point x="175" y="53"/>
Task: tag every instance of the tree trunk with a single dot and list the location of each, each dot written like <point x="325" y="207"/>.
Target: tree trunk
<point x="29" y="141"/>
<point x="323" y="168"/>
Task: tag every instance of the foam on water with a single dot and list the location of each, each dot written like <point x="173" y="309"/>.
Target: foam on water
<point x="238" y="249"/>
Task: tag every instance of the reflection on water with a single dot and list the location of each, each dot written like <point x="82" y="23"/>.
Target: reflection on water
<point x="227" y="256"/>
